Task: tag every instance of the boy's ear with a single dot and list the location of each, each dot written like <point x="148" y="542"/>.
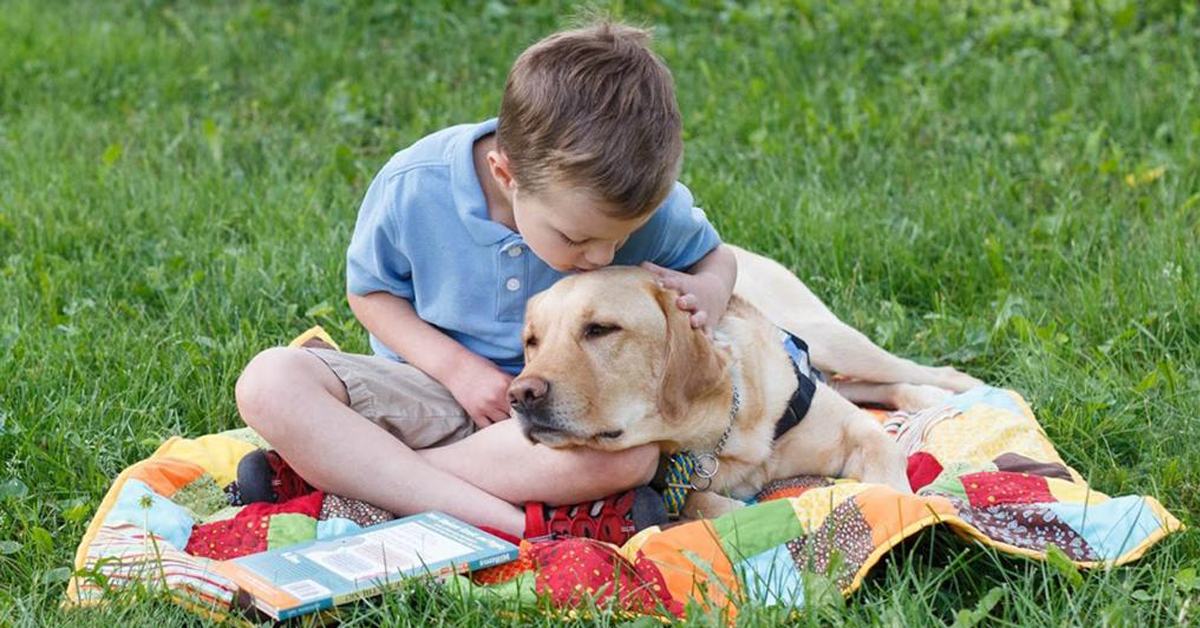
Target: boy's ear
<point x="501" y="170"/>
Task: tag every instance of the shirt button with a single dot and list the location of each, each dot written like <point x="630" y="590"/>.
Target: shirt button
<point x="515" y="251"/>
<point x="513" y="284"/>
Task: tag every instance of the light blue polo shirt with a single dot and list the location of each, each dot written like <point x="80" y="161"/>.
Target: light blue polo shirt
<point x="423" y="234"/>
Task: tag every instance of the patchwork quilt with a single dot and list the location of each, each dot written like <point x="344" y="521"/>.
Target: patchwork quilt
<point x="981" y="465"/>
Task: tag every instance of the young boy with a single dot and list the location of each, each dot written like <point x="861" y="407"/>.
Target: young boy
<point x="454" y="235"/>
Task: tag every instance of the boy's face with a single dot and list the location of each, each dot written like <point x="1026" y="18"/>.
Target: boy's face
<point x="568" y="229"/>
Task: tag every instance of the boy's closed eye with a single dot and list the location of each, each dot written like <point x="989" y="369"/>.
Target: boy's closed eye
<point x="573" y="242"/>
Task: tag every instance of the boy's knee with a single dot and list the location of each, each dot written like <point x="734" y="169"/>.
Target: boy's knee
<point x="265" y="383"/>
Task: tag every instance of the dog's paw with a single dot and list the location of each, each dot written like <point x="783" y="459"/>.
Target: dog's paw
<point x="953" y="379"/>
<point x="916" y="397"/>
<point x="708" y="505"/>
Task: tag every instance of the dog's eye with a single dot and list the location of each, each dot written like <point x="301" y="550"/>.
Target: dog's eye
<point x="531" y="341"/>
<point x="612" y="434"/>
<point x="596" y="330"/>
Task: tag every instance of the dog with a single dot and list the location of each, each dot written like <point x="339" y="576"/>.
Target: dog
<point x="612" y="363"/>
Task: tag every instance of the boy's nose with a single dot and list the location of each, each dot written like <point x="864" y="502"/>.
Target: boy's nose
<point x="600" y="254"/>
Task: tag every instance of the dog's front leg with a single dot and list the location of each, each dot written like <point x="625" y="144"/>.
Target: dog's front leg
<point x="707" y="505"/>
<point x="876" y="457"/>
<point x="838" y="438"/>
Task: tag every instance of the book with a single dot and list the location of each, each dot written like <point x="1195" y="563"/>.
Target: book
<point x="319" y="575"/>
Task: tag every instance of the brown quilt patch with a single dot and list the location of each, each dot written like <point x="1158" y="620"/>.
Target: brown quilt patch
<point x="846" y="533"/>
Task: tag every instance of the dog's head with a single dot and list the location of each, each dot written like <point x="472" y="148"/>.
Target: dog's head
<point x="610" y="362"/>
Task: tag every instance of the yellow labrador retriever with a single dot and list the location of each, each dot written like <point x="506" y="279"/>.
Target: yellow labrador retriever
<point x="612" y="363"/>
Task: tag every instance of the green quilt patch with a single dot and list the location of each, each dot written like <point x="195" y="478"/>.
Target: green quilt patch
<point x="749" y="531"/>
<point x="290" y="528"/>
<point x="202" y="497"/>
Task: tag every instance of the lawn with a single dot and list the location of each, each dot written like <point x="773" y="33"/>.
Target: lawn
<point x="1010" y="187"/>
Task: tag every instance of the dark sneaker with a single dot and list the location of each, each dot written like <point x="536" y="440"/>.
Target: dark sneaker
<point x="264" y="476"/>
<point x="613" y="519"/>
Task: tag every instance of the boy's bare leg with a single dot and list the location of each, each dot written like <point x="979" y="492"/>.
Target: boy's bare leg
<point x="501" y="461"/>
<point x="299" y="406"/>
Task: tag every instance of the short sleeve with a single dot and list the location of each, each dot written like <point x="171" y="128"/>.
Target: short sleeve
<point x="375" y="261"/>
<point x="684" y="235"/>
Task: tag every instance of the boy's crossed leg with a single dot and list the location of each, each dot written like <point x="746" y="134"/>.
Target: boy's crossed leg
<point x="294" y="399"/>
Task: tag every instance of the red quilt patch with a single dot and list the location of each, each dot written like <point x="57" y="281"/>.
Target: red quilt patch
<point x="499" y="574"/>
<point x="923" y="468"/>
<point x="575" y="571"/>
<point x="989" y="488"/>
<point x="246" y="532"/>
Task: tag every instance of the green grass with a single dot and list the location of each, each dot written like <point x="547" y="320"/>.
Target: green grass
<point x="178" y="182"/>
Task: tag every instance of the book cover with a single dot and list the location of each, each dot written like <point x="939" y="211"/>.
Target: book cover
<point x="317" y="575"/>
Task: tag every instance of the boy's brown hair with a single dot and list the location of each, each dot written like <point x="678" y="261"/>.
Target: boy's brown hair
<point x="594" y="107"/>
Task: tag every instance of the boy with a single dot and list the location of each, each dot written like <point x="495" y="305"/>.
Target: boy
<point x="454" y="235"/>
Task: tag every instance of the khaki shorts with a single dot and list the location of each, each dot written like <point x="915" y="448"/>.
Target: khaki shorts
<point x="400" y="398"/>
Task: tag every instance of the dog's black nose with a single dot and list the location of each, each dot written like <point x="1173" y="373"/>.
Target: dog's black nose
<point x="527" y="394"/>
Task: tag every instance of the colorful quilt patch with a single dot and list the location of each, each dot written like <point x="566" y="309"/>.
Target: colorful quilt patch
<point x="223" y="540"/>
<point x="922" y="469"/>
<point x="838" y="547"/>
<point x="165" y="476"/>
<point x="693" y="564"/>
<point x="992" y="398"/>
<point x="1029" y="527"/>
<point x="770" y="578"/>
<point x="982" y="433"/>
<point x="287" y="529"/>
<point x="217" y="454"/>
<point x="748" y="531"/>
<point x="582" y="572"/>
<point x="362" y="513"/>
<point x="328" y="528"/>
<point x="506" y="572"/>
<point x="813" y="507"/>
<point x="227" y="512"/>
<point x="202" y="497"/>
<point x="1017" y="463"/>
<point x="1000" y="487"/>
<point x="139" y="505"/>
<point x="1114" y="528"/>
<point x="248" y="531"/>
<point x="791" y="487"/>
<point x="1074" y="493"/>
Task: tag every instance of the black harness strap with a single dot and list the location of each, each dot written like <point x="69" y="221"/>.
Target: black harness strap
<point x="806" y="387"/>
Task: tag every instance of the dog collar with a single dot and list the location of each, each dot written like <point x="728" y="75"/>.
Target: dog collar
<point x="684" y="472"/>
<point x="705" y="465"/>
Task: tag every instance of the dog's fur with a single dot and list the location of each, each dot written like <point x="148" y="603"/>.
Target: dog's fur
<point x="612" y="363"/>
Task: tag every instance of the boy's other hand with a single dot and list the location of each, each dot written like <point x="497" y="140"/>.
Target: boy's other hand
<point x="705" y="296"/>
<point x="482" y="390"/>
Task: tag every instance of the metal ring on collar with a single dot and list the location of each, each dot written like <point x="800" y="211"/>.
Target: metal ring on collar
<point x="706" y="465"/>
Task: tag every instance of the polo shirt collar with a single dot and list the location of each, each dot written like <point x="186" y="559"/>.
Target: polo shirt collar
<point x="469" y="200"/>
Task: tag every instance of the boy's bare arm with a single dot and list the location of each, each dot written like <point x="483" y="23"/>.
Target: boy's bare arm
<point x="706" y="286"/>
<point x="478" y="386"/>
<point x="721" y="264"/>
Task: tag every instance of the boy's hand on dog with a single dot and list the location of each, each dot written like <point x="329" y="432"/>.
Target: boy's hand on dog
<point x="704" y="296"/>
<point x="482" y="390"/>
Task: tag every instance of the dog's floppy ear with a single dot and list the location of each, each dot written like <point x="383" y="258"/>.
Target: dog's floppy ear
<point x="692" y="366"/>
